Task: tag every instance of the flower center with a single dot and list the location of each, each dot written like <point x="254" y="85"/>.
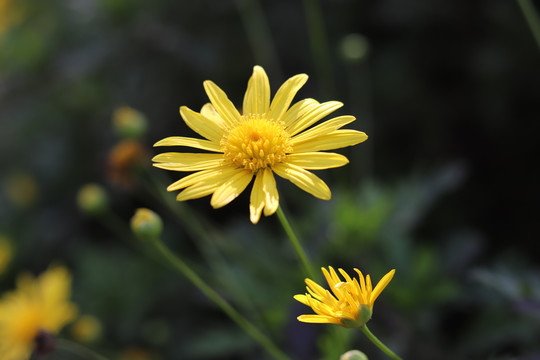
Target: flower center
<point x="256" y="143"/>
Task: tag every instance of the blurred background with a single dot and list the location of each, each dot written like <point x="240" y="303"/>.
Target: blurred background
<point x="445" y="190"/>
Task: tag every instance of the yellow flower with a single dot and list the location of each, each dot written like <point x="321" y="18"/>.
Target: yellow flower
<point x="37" y="305"/>
<point x="350" y="305"/>
<point x="267" y="138"/>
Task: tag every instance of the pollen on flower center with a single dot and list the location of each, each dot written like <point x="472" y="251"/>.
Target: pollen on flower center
<point x="256" y="143"/>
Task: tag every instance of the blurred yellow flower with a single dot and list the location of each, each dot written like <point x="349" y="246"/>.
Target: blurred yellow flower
<point x="6" y="253"/>
<point x="38" y="305"/>
<point x="350" y="305"/>
<point x="267" y="138"/>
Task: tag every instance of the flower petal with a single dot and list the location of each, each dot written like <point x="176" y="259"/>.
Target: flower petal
<point x="301" y="298"/>
<point x="271" y="196"/>
<point x="304" y="180"/>
<point x="317" y="160"/>
<point x="333" y="140"/>
<point x="222" y="104"/>
<point x="187" y="161"/>
<point x="257" y="97"/>
<point x="191" y="142"/>
<point x="230" y="189"/>
<point x="198" y="190"/>
<point x="201" y="125"/>
<point x="323" y="129"/>
<point x="285" y="96"/>
<point x="209" y="111"/>
<point x="219" y="175"/>
<point x="311" y="117"/>
<point x="381" y="285"/>
<point x="298" y="110"/>
<point x="256" y="203"/>
<point x="319" y="319"/>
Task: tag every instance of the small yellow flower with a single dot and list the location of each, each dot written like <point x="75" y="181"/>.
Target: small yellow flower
<point x="267" y="138"/>
<point x="350" y="305"/>
<point x="37" y="305"/>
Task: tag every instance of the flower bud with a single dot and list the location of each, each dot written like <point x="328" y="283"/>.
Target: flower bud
<point x="146" y="224"/>
<point x="353" y="355"/>
<point x="354" y="47"/>
<point x="86" y="329"/>
<point x="92" y="199"/>
<point x="129" y="123"/>
<point x="6" y="253"/>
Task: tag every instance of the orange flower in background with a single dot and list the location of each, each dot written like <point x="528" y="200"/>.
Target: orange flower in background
<point x="270" y="137"/>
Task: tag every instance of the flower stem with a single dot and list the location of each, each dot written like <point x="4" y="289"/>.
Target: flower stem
<point x="79" y="350"/>
<point x="378" y="343"/>
<point x="531" y="16"/>
<point x="240" y="320"/>
<point x="295" y="243"/>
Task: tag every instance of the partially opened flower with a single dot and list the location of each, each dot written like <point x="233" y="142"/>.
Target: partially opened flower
<point x="350" y="304"/>
<point x="266" y="138"/>
<point x="36" y="310"/>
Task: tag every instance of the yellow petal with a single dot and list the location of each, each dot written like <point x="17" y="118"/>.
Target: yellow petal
<point x="187" y="161"/>
<point x="305" y="180"/>
<point x="311" y="117"/>
<point x="209" y="111"/>
<point x="298" y="110"/>
<point x="201" y="125"/>
<point x="191" y="142"/>
<point x="271" y="196"/>
<point x="257" y="97"/>
<point x="233" y="187"/>
<point x="219" y="175"/>
<point x="381" y="285"/>
<point x="256" y="203"/>
<point x="319" y="319"/>
<point x="222" y="104"/>
<point x="301" y="298"/>
<point x="333" y="140"/>
<point x="317" y="160"/>
<point x="323" y="129"/>
<point x="197" y="191"/>
<point x="285" y="96"/>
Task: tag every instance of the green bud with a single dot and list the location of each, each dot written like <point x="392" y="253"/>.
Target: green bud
<point x="92" y="199"/>
<point x="353" y="355"/>
<point x="129" y="123"/>
<point x="354" y="47"/>
<point x="364" y="314"/>
<point x="146" y="224"/>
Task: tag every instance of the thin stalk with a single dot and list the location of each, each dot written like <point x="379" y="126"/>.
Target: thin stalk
<point x="79" y="350"/>
<point x="319" y="47"/>
<point x="240" y="320"/>
<point x="258" y="33"/>
<point x="532" y="18"/>
<point x="379" y="343"/>
<point x="308" y="268"/>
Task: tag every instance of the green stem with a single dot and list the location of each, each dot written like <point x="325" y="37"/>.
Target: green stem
<point x="378" y="343"/>
<point x="319" y="47"/>
<point x="79" y="350"/>
<point x="296" y="244"/>
<point x="531" y="16"/>
<point x="258" y="34"/>
<point x="240" y="320"/>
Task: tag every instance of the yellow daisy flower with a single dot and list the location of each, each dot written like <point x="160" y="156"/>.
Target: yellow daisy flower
<point x="267" y="138"/>
<point x="38" y="305"/>
<point x="351" y="304"/>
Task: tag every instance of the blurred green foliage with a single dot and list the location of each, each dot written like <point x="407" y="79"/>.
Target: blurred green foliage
<point x="444" y="191"/>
